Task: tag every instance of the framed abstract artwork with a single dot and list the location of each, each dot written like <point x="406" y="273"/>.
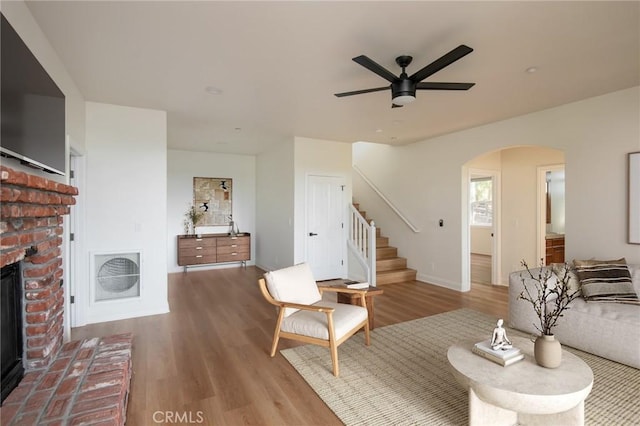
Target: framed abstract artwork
<point x="213" y="196"/>
<point x="634" y="197"/>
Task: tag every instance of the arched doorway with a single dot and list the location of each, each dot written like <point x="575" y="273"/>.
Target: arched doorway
<point x="515" y="209"/>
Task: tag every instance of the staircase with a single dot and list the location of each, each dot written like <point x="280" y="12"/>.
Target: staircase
<point x="390" y="269"/>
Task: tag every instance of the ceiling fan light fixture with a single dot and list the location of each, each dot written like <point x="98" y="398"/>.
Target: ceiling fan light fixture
<point x="403" y="99"/>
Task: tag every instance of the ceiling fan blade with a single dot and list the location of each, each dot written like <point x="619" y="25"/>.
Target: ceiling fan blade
<point x="375" y="67"/>
<point x="441" y="62"/>
<point x="359" y="92"/>
<point x="444" y="86"/>
<point x="396" y="106"/>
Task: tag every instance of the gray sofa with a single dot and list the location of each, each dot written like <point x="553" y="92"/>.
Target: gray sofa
<point x="609" y="330"/>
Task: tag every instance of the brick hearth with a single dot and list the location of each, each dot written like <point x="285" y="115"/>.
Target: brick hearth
<point x="80" y="382"/>
<point x="88" y="383"/>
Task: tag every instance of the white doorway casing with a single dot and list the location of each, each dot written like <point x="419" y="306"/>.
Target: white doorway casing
<point x="75" y="312"/>
<point x="541" y="229"/>
<point x="496" y="265"/>
<point x="325" y="231"/>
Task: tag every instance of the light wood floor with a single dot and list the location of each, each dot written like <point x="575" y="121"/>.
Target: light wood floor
<point x="209" y="358"/>
<point x="480" y="268"/>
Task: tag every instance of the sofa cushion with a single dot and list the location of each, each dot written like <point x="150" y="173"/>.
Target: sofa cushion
<point x="573" y="282"/>
<point x="605" y="280"/>
<point x="294" y="284"/>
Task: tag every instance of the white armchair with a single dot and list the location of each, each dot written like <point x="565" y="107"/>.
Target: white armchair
<point x="304" y="316"/>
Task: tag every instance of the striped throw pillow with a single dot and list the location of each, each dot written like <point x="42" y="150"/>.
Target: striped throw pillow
<point x="605" y="280"/>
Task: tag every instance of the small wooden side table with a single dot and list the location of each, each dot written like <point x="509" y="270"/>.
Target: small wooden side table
<point x="354" y="299"/>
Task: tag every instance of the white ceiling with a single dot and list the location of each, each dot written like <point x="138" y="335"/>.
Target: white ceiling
<point x="278" y="64"/>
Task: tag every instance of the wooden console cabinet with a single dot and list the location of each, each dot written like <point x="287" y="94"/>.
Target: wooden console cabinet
<point x="213" y="248"/>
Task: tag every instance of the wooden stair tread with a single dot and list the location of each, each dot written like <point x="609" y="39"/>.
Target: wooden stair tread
<point x="395" y="276"/>
<point x="391" y="264"/>
<point x="382" y="242"/>
<point x="386" y="252"/>
<point x="390" y="268"/>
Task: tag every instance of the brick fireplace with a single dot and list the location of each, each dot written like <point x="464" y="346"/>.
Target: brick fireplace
<point x="79" y="382"/>
<point x="31" y="217"/>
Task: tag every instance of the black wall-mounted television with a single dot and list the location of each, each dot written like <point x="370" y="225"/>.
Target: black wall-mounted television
<point x="33" y="107"/>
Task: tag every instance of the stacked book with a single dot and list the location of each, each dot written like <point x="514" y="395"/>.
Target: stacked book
<point x="503" y="357"/>
<point x="356" y="284"/>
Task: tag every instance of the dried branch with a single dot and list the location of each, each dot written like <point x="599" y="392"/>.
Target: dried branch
<point x="549" y="301"/>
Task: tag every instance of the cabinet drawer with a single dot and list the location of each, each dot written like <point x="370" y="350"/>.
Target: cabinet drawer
<point x="195" y="251"/>
<point x="196" y="242"/>
<point x="232" y="248"/>
<point x="196" y="259"/>
<point x="233" y="241"/>
<point x="233" y="257"/>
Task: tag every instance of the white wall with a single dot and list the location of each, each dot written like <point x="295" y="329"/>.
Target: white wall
<point x="425" y="181"/>
<point x="321" y="158"/>
<point x="182" y="167"/>
<point x="481" y="240"/>
<point x="126" y="198"/>
<point x="275" y="207"/>
<point x="519" y="227"/>
<point x="281" y="175"/>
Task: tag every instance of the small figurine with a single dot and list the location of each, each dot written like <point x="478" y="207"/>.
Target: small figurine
<point x="499" y="340"/>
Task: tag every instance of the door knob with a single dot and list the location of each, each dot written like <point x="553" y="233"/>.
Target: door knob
<point x="312" y="234"/>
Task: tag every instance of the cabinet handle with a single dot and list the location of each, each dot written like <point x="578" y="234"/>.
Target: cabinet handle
<point x="198" y="239"/>
<point x="234" y="245"/>
<point x="199" y="255"/>
<point x="198" y="248"/>
<point x="234" y="254"/>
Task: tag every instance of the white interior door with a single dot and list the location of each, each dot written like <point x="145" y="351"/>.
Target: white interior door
<point x="325" y="231"/>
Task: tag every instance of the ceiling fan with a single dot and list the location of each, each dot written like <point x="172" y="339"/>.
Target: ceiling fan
<point x="403" y="87"/>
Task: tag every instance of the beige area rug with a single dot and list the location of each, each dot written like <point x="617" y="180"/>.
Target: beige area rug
<point x="403" y="378"/>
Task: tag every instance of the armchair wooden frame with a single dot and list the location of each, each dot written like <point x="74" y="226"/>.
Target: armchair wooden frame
<point x="332" y="343"/>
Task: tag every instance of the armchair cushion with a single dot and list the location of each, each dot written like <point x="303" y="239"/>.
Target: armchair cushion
<point x="294" y="284"/>
<point x="314" y="324"/>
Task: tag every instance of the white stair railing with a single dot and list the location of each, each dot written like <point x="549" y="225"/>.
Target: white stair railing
<point x="362" y="241"/>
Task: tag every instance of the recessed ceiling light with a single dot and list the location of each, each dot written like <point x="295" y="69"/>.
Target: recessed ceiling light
<point x="531" y="70"/>
<point x="213" y="90"/>
<point x="378" y="130"/>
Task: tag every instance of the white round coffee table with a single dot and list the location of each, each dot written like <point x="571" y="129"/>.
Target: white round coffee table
<point x="522" y="393"/>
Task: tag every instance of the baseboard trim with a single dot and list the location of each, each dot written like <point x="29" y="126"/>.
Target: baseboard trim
<point x="440" y="282"/>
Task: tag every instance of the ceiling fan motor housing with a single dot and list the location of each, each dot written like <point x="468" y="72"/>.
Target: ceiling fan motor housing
<point x="403" y="87"/>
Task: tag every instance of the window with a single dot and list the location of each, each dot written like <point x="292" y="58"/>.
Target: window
<point x="481" y="201"/>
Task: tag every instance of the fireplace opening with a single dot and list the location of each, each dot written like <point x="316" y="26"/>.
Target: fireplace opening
<point x="11" y="348"/>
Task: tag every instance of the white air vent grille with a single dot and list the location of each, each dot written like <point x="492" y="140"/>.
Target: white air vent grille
<point x="116" y="276"/>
